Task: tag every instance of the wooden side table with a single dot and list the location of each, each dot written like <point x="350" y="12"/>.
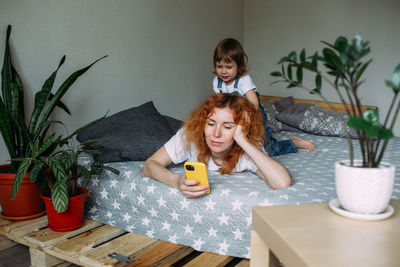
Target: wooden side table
<point x="313" y="235"/>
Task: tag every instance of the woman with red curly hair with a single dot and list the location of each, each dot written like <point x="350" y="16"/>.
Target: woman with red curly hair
<point x="225" y="132"/>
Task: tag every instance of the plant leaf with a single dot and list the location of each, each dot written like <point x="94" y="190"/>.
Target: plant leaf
<point x="276" y="74"/>
<point x="59" y="196"/>
<point x="22" y="170"/>
<point x="318" y="82"/>
<point x="57" y="169"/>
<point x="341" y="44"/>
<point x="371" y="116"/>
<point x="362" y="69"/>
<point x="299" y="75"/>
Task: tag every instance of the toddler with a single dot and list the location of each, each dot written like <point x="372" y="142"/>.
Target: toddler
<point x="230" y="63"/>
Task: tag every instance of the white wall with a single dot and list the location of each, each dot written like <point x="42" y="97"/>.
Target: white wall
<point x="274" y="28"/>
<point x="158" y="50"/>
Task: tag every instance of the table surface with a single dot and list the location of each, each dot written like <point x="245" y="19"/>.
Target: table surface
<point x="313" y="235"/>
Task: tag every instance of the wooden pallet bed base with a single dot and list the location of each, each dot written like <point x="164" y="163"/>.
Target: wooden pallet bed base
<point x="92" y="244"/>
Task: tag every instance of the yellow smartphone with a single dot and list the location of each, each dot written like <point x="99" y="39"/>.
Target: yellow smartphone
<point x="197" y="171"/>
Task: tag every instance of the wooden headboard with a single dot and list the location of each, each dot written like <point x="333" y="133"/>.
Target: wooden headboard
<point x="339" y="106"/>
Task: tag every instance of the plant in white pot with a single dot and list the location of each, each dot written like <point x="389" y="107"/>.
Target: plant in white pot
<point x="364" y="185"/>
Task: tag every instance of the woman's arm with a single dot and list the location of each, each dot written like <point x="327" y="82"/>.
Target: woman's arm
<point x="155" y="167"/>
<point x="271" y="171"/>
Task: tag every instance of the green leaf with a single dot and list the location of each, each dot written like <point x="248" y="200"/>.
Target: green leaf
<point x="67" y="160"/>
<point x="111" y="169"/>
<point x="19" y="176"/>
<point x="385" y="133"/>
<point x="96" y="168"/>
<point x="341" y="44"/>
<point x="299" y="75"/>
<point x="59" y="196"/>
<point x="35" y="171"/>
<point x="314" y="60"/>
<point x="371" y="116"/>
<point x="292" y="56"/>
<point x="318" y="82"/>
<point x="276" y="74"/>
<point x="57" y="168"/>
<point x="362" y="69"/>
<point x="289" y="72"/>
<point x="332" y="59"/>
<point x="396" y="78"/>
<point x="362" y="124"/>
<point x="358" y="43"/>
<point x="283" y="59"/>
<point x="85" y="172"/>
<point x="303" y="56"/>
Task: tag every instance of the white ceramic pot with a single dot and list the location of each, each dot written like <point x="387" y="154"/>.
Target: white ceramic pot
<point x="364" y="190"/>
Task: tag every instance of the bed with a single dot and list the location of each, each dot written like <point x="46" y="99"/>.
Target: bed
<point x="221" y="221"/>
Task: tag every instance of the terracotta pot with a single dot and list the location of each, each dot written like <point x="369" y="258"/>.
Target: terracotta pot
<point x="26" y="205"/>
<point x="70" y="219"/>
<point x="364" y="190"/>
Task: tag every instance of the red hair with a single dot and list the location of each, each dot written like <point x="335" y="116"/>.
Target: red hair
<point x="244" y="113"/>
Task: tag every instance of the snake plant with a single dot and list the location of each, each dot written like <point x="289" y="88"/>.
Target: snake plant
<point x="31" y="136"/>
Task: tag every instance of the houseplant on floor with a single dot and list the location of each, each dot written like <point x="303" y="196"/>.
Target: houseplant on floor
<point x="363" y="186"/>
<point x="18" y="131"/>
<point x="61" y="170"/>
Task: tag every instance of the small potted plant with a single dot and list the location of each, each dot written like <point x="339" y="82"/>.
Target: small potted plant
<point x="364" y="185"/>
<point x="64" y="199"/>
<point x="18" y="131"/>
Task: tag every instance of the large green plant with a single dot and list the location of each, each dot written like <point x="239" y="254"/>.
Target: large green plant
<point x="19" y="132"/>
<point x="344" y="66"/>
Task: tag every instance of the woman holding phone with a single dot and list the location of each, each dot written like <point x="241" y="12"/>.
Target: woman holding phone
<point x="226" y="133"/>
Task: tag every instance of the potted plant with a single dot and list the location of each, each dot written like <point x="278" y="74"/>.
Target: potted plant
<point x="18" y="131"/>
<point x="364" y="185"/>
<point x="61" y="170"/>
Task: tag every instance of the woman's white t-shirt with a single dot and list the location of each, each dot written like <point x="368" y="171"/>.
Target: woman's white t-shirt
<point x="245" y="84"/>
<point x="176" y="149"/>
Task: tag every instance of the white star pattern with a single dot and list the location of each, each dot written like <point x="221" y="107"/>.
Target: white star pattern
<point x="95" y="181"/>
<point x="174" y="215"/>
<point x="210" y="204"/>
<point x="104" y="194"/>
<point x="188" y="229"/>
<point x="133" y="186"/>
<point x="223" y="248"/>
<point x="113" y="183"/>
<point x="122" y="195"/>
<point x="128" y="174"/>
<point x="173" y="191"/>
<point x="237" y="205"/>
<point x="166" y="226"/>
<point x="249" y="220"/>
<point x="109" y="215"/>
<point x="116" y="205"/>
<point x="145" y="221"/>
<point x="238" y="234"/>
<point x="134" y="209"/>
<point x="198" y="218"/>
<point x="253" y="194"/>
<point x="184" y="204"/>
<point x="212" y="232"/>
<point x="150" y="189"/>
<point x="93" y="209"/>
<point x="161" y="202"/>
<point x="140" y="200"/>
<point x="127" y="217"/>
<point x="150" y="233"/>
<point x="223" y="219"/>
<point x="146" y="179"/>
<point x="173" y="238"/>
<point x="226" y="192"/>
<point x="197" y="244"/>
<point x="130" y="228"/>
<point x="153" y="212"/>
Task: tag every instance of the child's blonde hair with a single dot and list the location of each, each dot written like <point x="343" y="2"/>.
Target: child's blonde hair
<point x="230" y="49"/>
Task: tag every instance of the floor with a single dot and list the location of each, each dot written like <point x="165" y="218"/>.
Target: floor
<point x="18" y="256"/>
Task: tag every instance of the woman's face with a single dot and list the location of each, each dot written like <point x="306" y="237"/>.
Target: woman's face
<point x="219" y="131"/>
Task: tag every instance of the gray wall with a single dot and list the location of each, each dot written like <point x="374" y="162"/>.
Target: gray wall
<point x="158" y="50"/>
<point x="274" y="28"/>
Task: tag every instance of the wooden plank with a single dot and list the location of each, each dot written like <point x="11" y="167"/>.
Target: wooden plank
<point x="208" y="259"/>
<point x="6" y="243"/>
<point x="19" y="229"/>
<point x="4" y="222"/>
<point x="41" y="259"/>
<point x="322" y="104"/>
<point x="243" y="263"/>
<point x="123" y="245"/>
<point x="87" y="240"/>
<point x="47" y="237"/>
<point x="161" y="253"/>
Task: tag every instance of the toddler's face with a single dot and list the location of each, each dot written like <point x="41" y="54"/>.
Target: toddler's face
<point x="226" y="71"/>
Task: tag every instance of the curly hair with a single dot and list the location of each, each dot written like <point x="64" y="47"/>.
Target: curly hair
<point x="244" y="113"/>
<point x="229" y="50"/>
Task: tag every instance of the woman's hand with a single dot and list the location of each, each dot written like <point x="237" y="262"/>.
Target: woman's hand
<point x="189" y="188"/>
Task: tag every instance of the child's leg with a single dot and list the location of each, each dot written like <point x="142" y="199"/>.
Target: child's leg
<point x="302" y="143"/>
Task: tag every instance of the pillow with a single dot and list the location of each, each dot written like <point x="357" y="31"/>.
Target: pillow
<point x="313" y="119"/>
<point x="132" y="134"/>
<point x="273" y="108"/>
<point x="173" y="123"/>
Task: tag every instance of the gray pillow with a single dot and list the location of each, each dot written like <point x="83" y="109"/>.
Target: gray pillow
<point x="273" y="109"/>
<point x="132" y="134"/>
<point x="313" y="119"/>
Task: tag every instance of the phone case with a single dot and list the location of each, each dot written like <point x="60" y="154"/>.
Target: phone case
<point x="197" y="170"/>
